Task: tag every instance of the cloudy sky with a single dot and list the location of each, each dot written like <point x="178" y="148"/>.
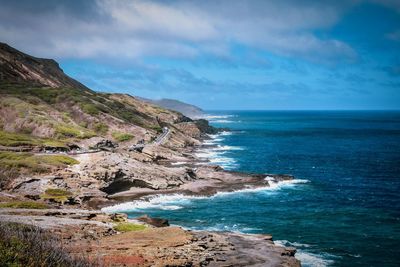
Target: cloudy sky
<point x="221" y="54"/>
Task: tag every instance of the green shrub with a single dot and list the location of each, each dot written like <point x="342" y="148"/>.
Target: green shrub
<point x="121" y="137"/>
<point x="67" y="131"/>
<point x="33" y="163"/>
<point x="25" y="245"/>
<point x="90" y="109"/>
<point x="101" y="128"/>
<point x="128" y="227"/>
<point x="57" y="160"/>
<point x="17" y="139"/>
<point x="24" y="205"/>
<point x="156" y="128"/>
<point x="14" y="139"/>
<point x="56" y="194"/>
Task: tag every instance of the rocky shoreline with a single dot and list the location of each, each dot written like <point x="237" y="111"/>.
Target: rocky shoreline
<point x="111" y="177"/>
<point x="66" y="151"/>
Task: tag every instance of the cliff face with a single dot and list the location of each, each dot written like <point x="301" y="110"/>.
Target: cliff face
<point x="18" y="67"/>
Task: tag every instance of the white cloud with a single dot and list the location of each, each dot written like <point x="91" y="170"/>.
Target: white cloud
<point x="177" y="29"/>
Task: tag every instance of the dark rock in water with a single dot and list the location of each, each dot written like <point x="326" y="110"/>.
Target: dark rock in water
<point x="205" y="127"/>
<point x="157" y="222"/>
<point x="289" y="251"/>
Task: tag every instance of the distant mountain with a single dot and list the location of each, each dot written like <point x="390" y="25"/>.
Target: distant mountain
<point x="18" y="67"/>
<point x="186" y="109"/>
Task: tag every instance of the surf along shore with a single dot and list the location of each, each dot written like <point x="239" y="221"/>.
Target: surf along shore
<point x="243" y="249"/>
<point x="94" y="228"/>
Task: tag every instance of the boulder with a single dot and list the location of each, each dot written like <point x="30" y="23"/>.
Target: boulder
<point x="119" y="217"/>
<point x="105" y="145"/>
<point x="156" y="222"/>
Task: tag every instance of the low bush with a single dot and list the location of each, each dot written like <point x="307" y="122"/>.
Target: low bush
<point x="101" y="128"/>
<point x="56" y="194"/>
<point x="128" y="227"/>
<point x="24" y="205"/>
<point x="90" y="108"/>
<point x="23" y="245"/>
<point x="14" y="139"/>
<point x="33" y="163"/>
<point x="121" y="137"/>
<point x="67" y="131"/>
<point x="17" y="139"/>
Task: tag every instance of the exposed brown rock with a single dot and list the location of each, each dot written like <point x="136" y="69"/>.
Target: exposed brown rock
<point x="157" y="222"/>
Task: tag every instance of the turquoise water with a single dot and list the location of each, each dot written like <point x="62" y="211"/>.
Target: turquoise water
<point x="344" y="209"/>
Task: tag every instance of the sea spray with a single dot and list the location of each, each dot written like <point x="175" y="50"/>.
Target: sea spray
<point x="179" y="201"/>
<point x="307" y="258"/>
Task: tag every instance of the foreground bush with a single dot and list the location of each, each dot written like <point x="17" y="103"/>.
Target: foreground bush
<point x="23" y="245"/>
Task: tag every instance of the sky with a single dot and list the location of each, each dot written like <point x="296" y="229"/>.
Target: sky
<point x="261" y="55"/>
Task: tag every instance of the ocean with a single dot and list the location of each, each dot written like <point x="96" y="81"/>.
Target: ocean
<point x="343" y="208"/>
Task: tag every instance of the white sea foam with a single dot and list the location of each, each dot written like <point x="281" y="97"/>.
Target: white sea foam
<point x="225" y="133"/>
<point x="221" y="227"/>
<point x="225" y="121"/>
<point x="215" y="153"/>
<point x="178" y="163"/>
<point x="162" y="202"/>
<point x="226" y="148"/>
<point x="307" y="258"/>
<point x="178" y="201"/>
<point x="273" y="186"/>
<point x="217" y="117"/>
<point x="216" y="156"/>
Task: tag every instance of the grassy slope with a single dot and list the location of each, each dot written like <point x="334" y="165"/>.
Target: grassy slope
<point x="67" y="114"/>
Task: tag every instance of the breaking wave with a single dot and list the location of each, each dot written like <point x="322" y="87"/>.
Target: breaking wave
<point x="179" y="201"/>
<point x="307" y="258"/>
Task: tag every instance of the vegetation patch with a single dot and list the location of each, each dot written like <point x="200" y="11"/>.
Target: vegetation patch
<point x="90" y="108"/>
<point x="33" y="163"/>
<point x="56" y="194"/>
<point x="24" y="205"/>
<point x="17" y="139"/>
<point x="14" y="139"/>
<point x="156" y="128"/>
<point x="24" y="245"/>
<point x="90" y="102"/>
<point x="70" y="131"/>
<point x="101" y="128"/>
<point x="57" y="160"/>
<point x="121" y="137"/>
<point x="128" y="227"/>
<point x="67" y="131"/>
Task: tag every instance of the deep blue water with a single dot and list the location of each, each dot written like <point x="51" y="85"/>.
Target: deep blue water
<point x="347" y="214"/>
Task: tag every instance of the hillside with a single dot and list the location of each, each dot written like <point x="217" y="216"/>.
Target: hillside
<point x="19" y="67"/>
<point x="66" y="151"/>
<point x="41" y="106"/>
<point x="186" y="109"/>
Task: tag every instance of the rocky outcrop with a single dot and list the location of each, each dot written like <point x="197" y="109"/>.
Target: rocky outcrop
<point x="156" y="222"/>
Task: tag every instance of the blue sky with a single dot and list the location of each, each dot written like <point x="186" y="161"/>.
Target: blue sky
<point x="221" y="54"/>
